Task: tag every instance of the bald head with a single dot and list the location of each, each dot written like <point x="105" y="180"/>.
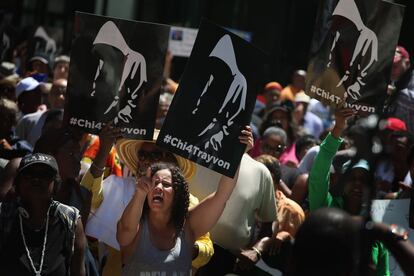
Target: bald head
<point x="298" y="79"/>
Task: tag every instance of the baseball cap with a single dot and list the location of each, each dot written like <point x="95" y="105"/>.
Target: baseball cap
<point x="403" y="52"/>
<point x="26" y="84"/>
<point x="7" y="69"/>
<point x="40" y="57"/>
<point x="395" y="124"/>
<point x="61" y="58"/>
<point x="273" y="86"/>
<point x="38" y="158"/>
<point x="301" y="97"/>
<point x="361" y="164"/>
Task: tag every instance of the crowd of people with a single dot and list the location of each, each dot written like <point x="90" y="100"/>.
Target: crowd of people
<point x="73" y="203"/>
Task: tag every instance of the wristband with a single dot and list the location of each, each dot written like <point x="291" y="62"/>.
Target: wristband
<point x="259" y="254"/>
<point x="101" y="170"/>
<point x="398" y="233"/>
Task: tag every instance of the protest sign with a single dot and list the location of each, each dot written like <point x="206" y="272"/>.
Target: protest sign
<point x="393" y="212"/>
<point x="214" y="100"/>
<point x="115" y="74"/>
<point x="352" y="51"/>
<point x="181" y="41"/>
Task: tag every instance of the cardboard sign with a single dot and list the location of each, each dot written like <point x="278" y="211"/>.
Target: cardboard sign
<point x="393" y="212"/>
<point x="115" y="74"/>
<point x="214" y="100"/>
<point x="352" y="51"/>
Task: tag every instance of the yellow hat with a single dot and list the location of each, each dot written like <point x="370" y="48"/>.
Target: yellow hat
<point x="127" y="150"/>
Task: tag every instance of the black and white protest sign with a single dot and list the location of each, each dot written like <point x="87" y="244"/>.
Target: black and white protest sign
<point x="214" y="100"/>
<point x="115" y="74"/>
<point x="352" y="51"/>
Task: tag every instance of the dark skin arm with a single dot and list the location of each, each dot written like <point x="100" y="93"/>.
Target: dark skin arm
<point x="77" y="267"/>
<point x="300" y="189"/>
<point x="7" y="177"/>
<point x="249" y="257"/>
<point x="107" y="138"/>
<point x="402" y="250"/>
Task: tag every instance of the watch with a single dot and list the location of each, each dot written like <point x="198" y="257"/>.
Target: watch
<point x="398" y="233"/>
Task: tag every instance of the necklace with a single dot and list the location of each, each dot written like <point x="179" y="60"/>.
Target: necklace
<point x="39" y="271"/>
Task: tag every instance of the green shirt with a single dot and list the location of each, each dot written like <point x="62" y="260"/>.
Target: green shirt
<point x="319" y="195"/>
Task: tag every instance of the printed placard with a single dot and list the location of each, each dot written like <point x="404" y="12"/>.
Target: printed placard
<point x="115" y="74"/>
<point x="352" y="51"/>
<point x="214" y="100"/>
<point x="182" y="41"/>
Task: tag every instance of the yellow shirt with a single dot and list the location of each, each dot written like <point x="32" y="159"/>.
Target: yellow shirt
<point x="113" y="265"/>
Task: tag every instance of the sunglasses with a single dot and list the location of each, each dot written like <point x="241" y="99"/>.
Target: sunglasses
<point x="277" y="149"/>
<point x="155" y="155"/>
<point x="43" y="175"/>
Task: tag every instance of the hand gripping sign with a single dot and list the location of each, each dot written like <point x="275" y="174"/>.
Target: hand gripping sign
<point x="351" y="53"/>
<point x="115" y="74"/>
<point x="214" y="100"/>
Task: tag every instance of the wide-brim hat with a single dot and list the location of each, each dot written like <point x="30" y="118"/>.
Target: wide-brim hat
<point x="127" y="150"/>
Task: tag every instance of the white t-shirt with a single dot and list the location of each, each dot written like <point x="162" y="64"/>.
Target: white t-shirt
<point x="252" y="197"/>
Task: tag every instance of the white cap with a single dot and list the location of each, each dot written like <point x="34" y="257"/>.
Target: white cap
<point x="301" y="97"/>
<point x="26" y="84"/>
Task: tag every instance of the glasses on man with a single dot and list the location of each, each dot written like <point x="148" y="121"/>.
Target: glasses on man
<point x="42" y="175"/>
<point x="273" y="149"/>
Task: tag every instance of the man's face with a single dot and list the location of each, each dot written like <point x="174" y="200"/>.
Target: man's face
<point x="150" y="153"/>
<point x="399" y="66"/>
<point x="354" y="189"/>
<point x="399" y="148"/>
<point x="271" y="96"/>
<point x="37" y="182"/>
<point x="29" y="101"/>
<point x="272" y="145"/>
<point x="68" y="157"/>
<point x="280" y="119"/>
<point x="298" y="80"/>
<point x="57" y="94"/>
<point x="61" y="71"/>
<point x="40" y="67"/>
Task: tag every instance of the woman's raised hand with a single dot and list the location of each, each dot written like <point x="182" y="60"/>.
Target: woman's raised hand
<point x="246" y="138"/>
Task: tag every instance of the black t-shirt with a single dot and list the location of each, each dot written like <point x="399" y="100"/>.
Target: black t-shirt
<point x="14" y="260"/>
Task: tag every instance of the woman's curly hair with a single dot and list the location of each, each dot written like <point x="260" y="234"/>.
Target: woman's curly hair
<point x="181" y="198"/>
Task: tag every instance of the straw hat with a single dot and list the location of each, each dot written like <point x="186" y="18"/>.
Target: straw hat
<point x="127" y="150"/>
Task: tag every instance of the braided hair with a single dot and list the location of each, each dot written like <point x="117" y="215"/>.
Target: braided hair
<point x="181" y="198"/>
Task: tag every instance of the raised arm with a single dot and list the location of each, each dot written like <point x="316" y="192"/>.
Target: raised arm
<point x="92" y="180"/>
<point x="319" y="175"/>
<point x="128" y="225"/>
<point x="206" y="214"/>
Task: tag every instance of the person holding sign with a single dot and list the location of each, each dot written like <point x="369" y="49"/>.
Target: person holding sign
<point x="137" y="156"/>
<point x="154" y="234"/>
<point x="352" y="198"/>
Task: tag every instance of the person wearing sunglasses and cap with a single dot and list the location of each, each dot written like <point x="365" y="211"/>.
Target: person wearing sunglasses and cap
<point x="40" y="236"/>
